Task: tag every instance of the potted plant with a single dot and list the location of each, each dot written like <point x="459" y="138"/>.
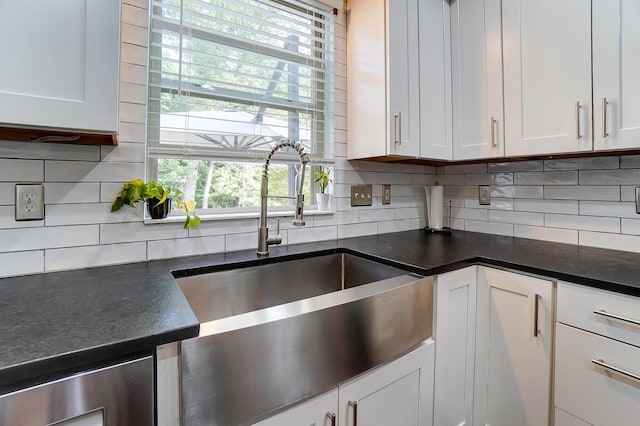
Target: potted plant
<point x="158" y="198"/>
<point x="323" y="199"/>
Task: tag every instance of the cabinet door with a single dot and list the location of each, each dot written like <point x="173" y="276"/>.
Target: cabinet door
<point x="455" y="349"/>
<point x="61" y="64"/>
<point x="547" y="76"/>
<point x="315" y="412"/>
<point x="476" y="68"/>
<point x="399" y="393"/>
<point x="403" y="77"/>
<point x="513" y="349"/>
<point x="616" y="67"/>
<point x="435" y="79"/>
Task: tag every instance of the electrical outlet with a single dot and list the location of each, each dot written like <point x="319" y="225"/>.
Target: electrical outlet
<point x="386" y="194"/>
<point x="29" y="202"/>
<point x="361" y="195"/>
<point x="484" y="195"/>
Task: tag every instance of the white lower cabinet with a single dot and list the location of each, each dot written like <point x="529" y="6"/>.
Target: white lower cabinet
<point x="319" y="411"/>
<point x="493" y="337"/>
<point x="597" y="373"/>
<point x="399" y="393"/>
<point x="455" y="322"/>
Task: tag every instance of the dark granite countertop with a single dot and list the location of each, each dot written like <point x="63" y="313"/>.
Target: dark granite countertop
<point x="67" y="320"/>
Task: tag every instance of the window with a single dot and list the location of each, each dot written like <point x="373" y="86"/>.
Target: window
<point x="228" y="79"/>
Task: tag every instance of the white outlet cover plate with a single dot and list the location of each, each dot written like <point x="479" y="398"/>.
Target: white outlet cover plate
<point x="29" y="202"/>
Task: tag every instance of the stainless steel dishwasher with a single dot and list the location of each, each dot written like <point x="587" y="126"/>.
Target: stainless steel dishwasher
<point x="118" y="395"/>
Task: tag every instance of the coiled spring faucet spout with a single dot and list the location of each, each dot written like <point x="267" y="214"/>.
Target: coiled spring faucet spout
<point x="264" y="240"/>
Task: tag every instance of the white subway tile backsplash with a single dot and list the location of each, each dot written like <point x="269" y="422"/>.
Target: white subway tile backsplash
<point x="589" y="163"/>
<point x="318" y="233"/>
<point x="21" y="263"/>
<point x="133" y="93"/>
<point x="486" y="227"/>
<point x="162" y="249"/>
<point x="516" y="166"/>
<point x="489" y="179"/>
<point x="357" y="230"/>
<point x="496" y="203"/>
<point x="89" y="213"/>
<point x="86" y="257"/>
<point x="130" y="73"/>
<point x="133" y="113"/>
<point x="83" y="171"/>
<point x="8" y="193"/>
<point x="586" y="223"/>
<point x="71" y="193"/>
<point x="135" y="15"/>
<point x="132" y="132"/>
<point x="629" y="226"/>
<point x="125" y="152"/>
<point x="342" y="217"/>
<point x="630" y="162"/>
<point x="547" y="206"/>
<point x="546" y="178"/>
<point x="132" y="54"/>
<point x="628" y="193"/>
<point x="12" y="170"/>
<point x="447" y="180"/>
<point x="236" y="242"/>
<point x="137" y="231"/>
<point x="557" y="235"/>
<point x="473" y="214"/>
<point x="8" y="219"/>
<point x="465" y="169"/>
<point x="134" y="34"/>
<point x="376" y="215"/>
<point x="394" y="226"/>
<point x="520" y="218"/>
<point x="48" y="237"/>
<point x="610" y="241"/>
<point x="404" y="178"/>
<point x="222" y="227"/>
<point x="516" y="191"/>
<point x="607" y="208"/>
<point x="610" y="177"/>
<point x="576" y="192"/>
<point x="48" y="151"/>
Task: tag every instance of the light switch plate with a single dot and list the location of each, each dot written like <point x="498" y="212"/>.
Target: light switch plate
<point x="29" y="202"/>
<point x="386" y="194"/>
<point x="361" y="195"/>
<point x="638" y="199"/>
<point x="484" y="195"/>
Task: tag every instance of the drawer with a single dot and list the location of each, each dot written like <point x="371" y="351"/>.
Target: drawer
<point x="576" y="306"/>
<point x="589" y="391"/>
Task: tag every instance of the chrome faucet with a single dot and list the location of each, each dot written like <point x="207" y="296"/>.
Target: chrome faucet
<point x="264" y="240"/>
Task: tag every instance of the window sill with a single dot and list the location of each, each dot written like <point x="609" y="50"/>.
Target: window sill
<point x="236" y="216"/>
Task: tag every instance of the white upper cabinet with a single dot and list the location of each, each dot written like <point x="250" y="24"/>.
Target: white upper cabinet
<point x="397" y="82"/>
<point x="547" y="76"/>
<point x="616" y="74"/>
<point x="476" y="69"/>
<point x="60" y="64"/>
<point x="435" y="80"/>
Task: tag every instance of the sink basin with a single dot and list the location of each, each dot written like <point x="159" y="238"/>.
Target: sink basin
<point x="275" y="334"/>
<point x="236" y="291"/>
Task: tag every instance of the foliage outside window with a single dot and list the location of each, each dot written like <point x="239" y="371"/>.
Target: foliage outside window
<point x="228" y="79"/>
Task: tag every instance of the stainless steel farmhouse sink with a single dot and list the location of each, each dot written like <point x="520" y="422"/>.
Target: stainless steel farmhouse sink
<point x="277" y="333"/>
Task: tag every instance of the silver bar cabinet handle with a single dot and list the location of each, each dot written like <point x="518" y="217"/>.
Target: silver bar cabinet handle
<point x="536" y="305"/>
<point x="578" y="135"/>
<point x="332" y="418"/>
<point x="493" y="132"/>
<point x="604" y="118"/>
<point x="354" y="406"/>
<point x="604" y="313"/>
<point x="398" y="130"/>
<point x="616" y="370"/>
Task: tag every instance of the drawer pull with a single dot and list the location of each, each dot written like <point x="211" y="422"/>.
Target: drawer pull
<point x="616" y="370"/>
<point x="354" y="406"/>
<point x="332" y="417"/>
<point x="604" y="313"/>
<point x="536" y="308"/>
